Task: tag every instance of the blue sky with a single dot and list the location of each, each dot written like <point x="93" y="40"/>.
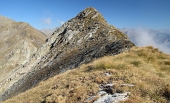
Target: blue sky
<point x="153" y="14"/>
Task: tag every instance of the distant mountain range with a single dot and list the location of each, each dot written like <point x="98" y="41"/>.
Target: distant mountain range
<point x="48" y="32"/>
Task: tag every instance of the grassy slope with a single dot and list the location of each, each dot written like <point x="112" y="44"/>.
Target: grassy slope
<point x="147" y="68"/>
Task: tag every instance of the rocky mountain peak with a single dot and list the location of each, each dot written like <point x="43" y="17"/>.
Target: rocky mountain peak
<point x="90" y="14"/>
<point x="80" y="40"/>
<point x="87" y="20"/>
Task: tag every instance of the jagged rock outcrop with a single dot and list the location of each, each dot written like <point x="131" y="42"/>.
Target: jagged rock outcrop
<point x="80" y="40"/>
<point x="18" y="41"/>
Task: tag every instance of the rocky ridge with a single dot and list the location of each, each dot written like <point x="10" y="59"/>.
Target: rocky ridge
<point x="80" y="40"/>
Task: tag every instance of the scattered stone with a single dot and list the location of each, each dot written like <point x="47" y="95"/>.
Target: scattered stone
<point x="101" y="93"/>
<point x="106" y="94"/>
<point x="129" y="85"/>
<point x="115" y="98"/>
<point x="90" y="99"/>
<point x="107" y="88"/>
<point x="107" y="74"/>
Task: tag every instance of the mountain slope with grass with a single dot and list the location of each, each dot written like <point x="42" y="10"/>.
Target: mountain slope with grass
<point x="144" y="72"/>
<point x="80" y="40"/>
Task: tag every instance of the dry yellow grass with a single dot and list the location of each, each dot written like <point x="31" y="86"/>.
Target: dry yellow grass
<point x="147" y="68"/>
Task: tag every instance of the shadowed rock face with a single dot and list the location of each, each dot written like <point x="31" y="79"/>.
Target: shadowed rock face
<point x="80" y="40"/>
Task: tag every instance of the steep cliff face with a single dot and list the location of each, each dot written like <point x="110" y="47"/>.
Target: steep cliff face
<point x="18" y="41"/>
<point x="80" y="40"/>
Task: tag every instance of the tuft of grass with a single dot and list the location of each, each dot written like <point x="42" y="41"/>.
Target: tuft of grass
<point x="136" y="63"/>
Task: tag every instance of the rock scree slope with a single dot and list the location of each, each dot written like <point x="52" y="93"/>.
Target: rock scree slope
<point x="80" y="40"/>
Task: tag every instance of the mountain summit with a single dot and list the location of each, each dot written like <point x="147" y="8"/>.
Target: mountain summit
<point x="80" y="40"/>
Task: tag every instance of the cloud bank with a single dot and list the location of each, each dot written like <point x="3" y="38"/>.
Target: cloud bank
<point x="146" y="37"/>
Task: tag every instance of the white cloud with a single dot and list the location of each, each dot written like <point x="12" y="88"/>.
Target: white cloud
<point x="145" y="38"/>
<point x="60" y="22"/>
<point x="47" y="21"/>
